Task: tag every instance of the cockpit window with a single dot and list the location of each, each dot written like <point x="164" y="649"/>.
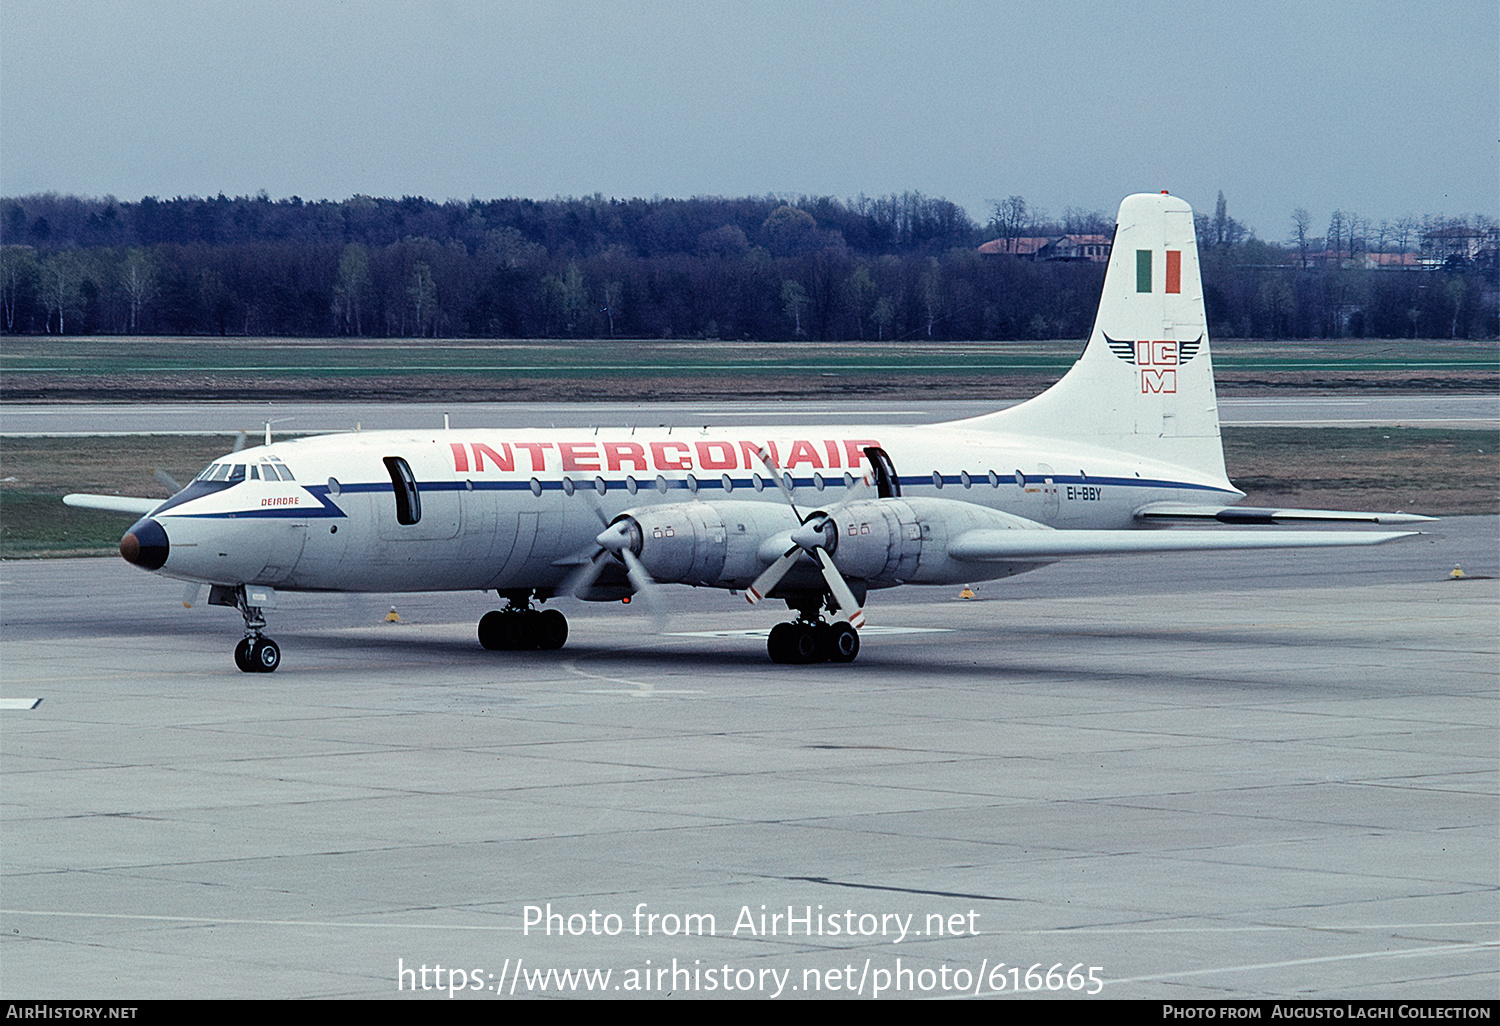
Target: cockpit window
<point x="255" y="472"/>
<point x="222" y="474"/>
<point x="237" y="474"/>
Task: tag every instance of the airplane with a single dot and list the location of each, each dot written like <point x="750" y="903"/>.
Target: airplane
<point x="1126" y="441"/>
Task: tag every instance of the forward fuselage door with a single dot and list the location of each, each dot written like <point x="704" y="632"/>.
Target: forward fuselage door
<point x="423" y="501"/>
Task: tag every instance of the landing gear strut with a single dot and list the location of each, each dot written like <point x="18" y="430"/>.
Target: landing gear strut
<point x="256" y="653"/>
<point x="519" y="626"/>
<point x="810" y="639"/>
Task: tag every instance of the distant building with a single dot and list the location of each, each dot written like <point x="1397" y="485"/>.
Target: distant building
<point x="1390" y="261"/>
<point x="1022" y="247"/>
<point x="1457" y="243"/>
<point x="1093" y="248"/>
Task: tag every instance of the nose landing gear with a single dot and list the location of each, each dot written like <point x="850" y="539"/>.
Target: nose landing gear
<point x="256" y="653"/>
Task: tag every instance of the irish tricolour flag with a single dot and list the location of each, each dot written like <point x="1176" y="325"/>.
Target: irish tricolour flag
<point x="1143" y="272"/>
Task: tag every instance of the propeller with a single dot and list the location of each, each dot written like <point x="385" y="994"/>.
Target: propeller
<point x="618" y="539"/>
<point x="166" y="480"/>
<point x="818" y="537"/>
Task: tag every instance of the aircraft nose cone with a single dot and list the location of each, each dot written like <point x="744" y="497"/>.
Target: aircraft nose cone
<point x="145" y="545"/>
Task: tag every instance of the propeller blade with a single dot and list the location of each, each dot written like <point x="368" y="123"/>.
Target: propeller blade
<point x="764" y="455"/>
<point x="841" y="593"/>
<point x="645" y="588"/>
<point x="583" y="578"/>
<point x="167" y="481"/>
<point x="772" y="575"/>
<point x="239" y="441"/>
<point x="591" y="500"/>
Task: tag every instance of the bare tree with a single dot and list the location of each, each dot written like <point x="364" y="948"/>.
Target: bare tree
<point x="62" y="276"/>
<point x="353" y="280"/>
<point x="423" y="294"/>
<point x="1010" y="220"/>
<point x="138" y="281"/>
<point x="1335" y="236"/>
<point x="18" y="272"/>
<point x="1301" y="225"/>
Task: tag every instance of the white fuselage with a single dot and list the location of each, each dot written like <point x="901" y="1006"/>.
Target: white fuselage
<point x="515" y="509"/>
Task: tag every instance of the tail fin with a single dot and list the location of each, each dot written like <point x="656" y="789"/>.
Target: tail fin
<point x="1145" y="383"/>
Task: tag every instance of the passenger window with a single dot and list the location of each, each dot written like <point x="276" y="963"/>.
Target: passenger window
<point x="408" y="501"/>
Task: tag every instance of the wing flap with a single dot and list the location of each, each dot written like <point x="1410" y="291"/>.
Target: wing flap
<point x="112" y="503"/>
<point x="988" y="545"/>
<point x="1158" y="512"/>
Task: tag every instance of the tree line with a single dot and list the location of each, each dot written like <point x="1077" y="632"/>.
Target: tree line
<point x="896" y="267"/>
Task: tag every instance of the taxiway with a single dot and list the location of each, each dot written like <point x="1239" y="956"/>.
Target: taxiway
<point x="1232" y="776"/>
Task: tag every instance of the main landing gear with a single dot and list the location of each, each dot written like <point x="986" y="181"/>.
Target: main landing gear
<point x="256" y="653"/>
<point x="810" y="640"/>
<point x="519" y="626"/>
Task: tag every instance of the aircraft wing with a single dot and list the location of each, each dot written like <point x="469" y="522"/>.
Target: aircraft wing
<point x="112" y="503"/>
<point x="1168" y="511"/>
<point x="989" y="545"/>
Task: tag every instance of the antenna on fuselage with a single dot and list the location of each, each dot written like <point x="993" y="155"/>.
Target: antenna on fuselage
<point x="446" y="425"/>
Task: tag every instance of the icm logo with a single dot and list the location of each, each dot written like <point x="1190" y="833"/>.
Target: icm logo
<point x="1157" y="360"/>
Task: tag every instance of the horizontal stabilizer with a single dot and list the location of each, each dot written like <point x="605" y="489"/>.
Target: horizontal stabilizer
<point x="1167" y="511"/>
<point x="988" y="545"/>
<point x="112" y="503"/>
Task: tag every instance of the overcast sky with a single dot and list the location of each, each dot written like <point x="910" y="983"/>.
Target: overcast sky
<point x="1381" y="107"/>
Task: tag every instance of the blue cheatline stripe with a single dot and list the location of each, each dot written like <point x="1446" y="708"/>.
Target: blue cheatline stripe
<point x="329" y="509"/>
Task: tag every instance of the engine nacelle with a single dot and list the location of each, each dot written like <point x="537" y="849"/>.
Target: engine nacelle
<point x="708" y="543"/>
<point x="880" y="542"/>
<point x="905" y="541"/>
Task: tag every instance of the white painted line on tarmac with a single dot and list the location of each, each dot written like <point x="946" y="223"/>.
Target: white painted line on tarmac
<point x="19" y="703"/>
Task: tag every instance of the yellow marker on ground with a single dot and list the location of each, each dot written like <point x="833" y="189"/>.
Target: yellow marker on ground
<point x="1458" y="572"/>
<point x="967" y="593"/>
<point x="391" y="617"/>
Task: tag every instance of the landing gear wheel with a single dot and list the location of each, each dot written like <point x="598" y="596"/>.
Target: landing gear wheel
<point x="781" y="643"/>
<point x="265" y="655"/>
<point x="551" y="629"/>
<point x="509" y="630"/>
<point x="843" y="642"/>
<point x="257" y="655"/>
<point x="500" y="631"/>
<point x="807" y="643"/>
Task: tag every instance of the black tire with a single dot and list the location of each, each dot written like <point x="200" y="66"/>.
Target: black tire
<point x="807" y="645"/>
<point x="497" y="632"/>
<point x="265" y="656"/>
<point x="780" y="645"/>
<point x="551" y="629"/>
<point x="242" y="656"/>
<point x="843" y="643"/>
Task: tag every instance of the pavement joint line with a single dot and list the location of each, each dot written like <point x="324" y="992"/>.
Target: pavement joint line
<point x="1420" y="952"/>
<point x="1247" y="928"/>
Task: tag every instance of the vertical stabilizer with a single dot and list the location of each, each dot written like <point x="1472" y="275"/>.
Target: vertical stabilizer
<point x="1145" y="383"/>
